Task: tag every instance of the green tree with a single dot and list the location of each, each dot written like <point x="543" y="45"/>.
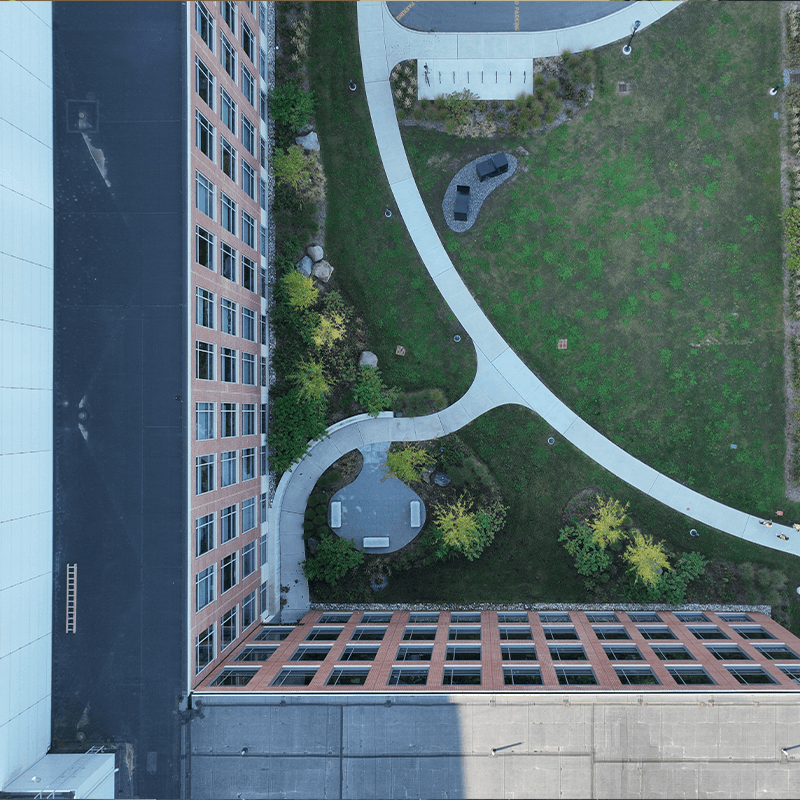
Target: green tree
<point x="407" y="463"/>
<point x="671" y="586"/>
<point x="291" y="106"/>
<point x="461" y="530"/>
<point x="606" y="524"/>
<point x="299" y="289"/>
<point x="646" y="557"/>
<point x="333" y="559"/>
<point x="311" y="380"/>
<point x="459" y="104"/>
<point x="371" y="392"/>
<point x="296" y="422"/>
<point x="291" y="167"/>
<point x="591" y="559"/>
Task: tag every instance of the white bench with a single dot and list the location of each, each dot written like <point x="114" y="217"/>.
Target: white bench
<point x="336" y="514"/>
<point x="376" y="541"/>
<point x="415" y="513"/>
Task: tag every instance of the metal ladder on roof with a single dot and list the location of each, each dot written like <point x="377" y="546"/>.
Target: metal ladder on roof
<point x="72" y="597"/>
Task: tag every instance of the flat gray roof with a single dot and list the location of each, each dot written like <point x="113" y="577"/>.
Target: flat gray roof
<point x="613" y="744"/>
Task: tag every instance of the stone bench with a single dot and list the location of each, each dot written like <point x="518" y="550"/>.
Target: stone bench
<point x="376" y="541"/>
<point x="336" y="514"/>
<point x="415" y="513"/>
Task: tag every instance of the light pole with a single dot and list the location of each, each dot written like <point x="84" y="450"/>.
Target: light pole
<point x="626" y="50"/>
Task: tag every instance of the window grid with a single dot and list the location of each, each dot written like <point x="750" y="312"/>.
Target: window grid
<point x="248" y="41"/>
<point x="204" y="647"/>
<point x="228" y="262"/>
<point x="204" y="23"/>
<point x="248" y="230"/>
<point x="228" y="528"/>
<point x="228" y="358"/>
<point x="248" y="180"/>
<point x="204" y="136"/>
<point x="248" y="369"/>
<point x="227" y="158"/>
<point x="204" y="466"/>
<point x="248" y="135"/>
<point x="205" y="248"/>
<point x="228" y="571"/>
<point x="205" y="195"/>
<point x="522" y="676"/>
<point x="249" y="518"/>
<point x="228" y="219"/>
<point x="204" y="534"/>
<point x="205" y="307"/>
<point x="630" y="675"/>
<point x="228" y="111"/>
<point x="204" y="78"/>
<point x="248" y="419"/>
<point x="408" y="676"/>
<point x="248" y="84"/>
<point x="228" y="316"/>
<point x="228" y="628"/>
<point x="228" y="420"/>
<point x="227" y="55"/>
<point x="227" y="468"/>
<point x="204" y="421"/>
<point x="248" y="559"/>
<point x="204" y="587"/>
<point x="248" y="611"/>
<point x="248" y="274"/>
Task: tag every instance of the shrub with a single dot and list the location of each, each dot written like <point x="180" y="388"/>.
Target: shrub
<point x="290" y="167"/>
<point x="291" y="106"/>
<point x="424" y="102"/>
<point x="509" y="105"/>
<point x="590" y="558"/>
<point x="371" y="392"/>
<point x="495" y="104"/>
<point x="330" y="329"/>
<point x="791" y="228"/>
<point x="538" y="79"/>
<point x="407" y="463"/>
<point x="335" y="557"/>
<point x="418" y="113"/>
<point x="607" y="522"/>
<point x="646" y="557"/>
<point x="549" y="118"/>
<point x="440" y="101"/>
<point x="583" y="96"/>
<point x="311" y="380"/>
<point x="552" y="85"/>
<point x="299" y="289"/>
<point x="401" y="113"/>
<point x="460" y="104"/>
<point x="460" y="530"/>
<point x="296" y="422"/>
<point x="450" y="126"/>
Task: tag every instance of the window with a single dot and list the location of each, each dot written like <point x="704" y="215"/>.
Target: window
<point x="567" y="652"/>
<point x="558" y="632"/>
<point x="331" y="619"/>
<point x="793" y="673"/>
<point x="776" y="652"/>
<point x="419" y="634"/>
<point x="263" y="416"/>
<point x="228" y="219"/>
<point x="464" y="633"/>
<point x="205" y="84"/>
<point x="348" y="676"/>
<point x="518" y="652"/>
<point x="408" y="652"/>
<point x="204" y="135"/>
<point x="204" y="466"/>
<point x="205" y="307"/>
<point x="610" y="632"/>
<point x="262" y="63"/>
<point x="262" y="16"/>
<point x="248" y="85"/>
<point x="273" y="633"/>
<point x="323" y="634"/>
<point x="295" y="676"/>
<point x="263" y="329"/>
<point x="205" y="248"/>
<point x="254" y="652"/>
<point x="359" y="653"/>
<point x="228" y="10"/>
<point x="522" y="676"/>
<point x="368" y="634"/>
<point x="248" y="419"/>
<point x="636" y="675"/>
<point x="248" y="274"/>
<point x="248" y="42"/>
<point x="688" y="676"/>
<point x="262" y="193"/>
<point x="623" y="652"/>
<point x="262" y="105"/>
<point x="656" y="632"/>
<point x="227" y="468"/>
<point x="469" y="652"/>
<point x="691" y="616"/>
<point x="752" y="632"/>
<point x="230" y="676"/>
<point x="733" y="617"/>
<point x="465" y="617"/>
<point x="707" y="632"/>
<point x="553" y="616"/>
<point x="262" y="151"/>
<point x="727" y="652"/>
<point x="248" y="135"/>
<point x="306" y="653"/>
<point x="264" y="459"/>
<point x="228" y="111"/>
<point x="228" y="573"/>
<point x="248" y="230"/>
<point x="262" y="545"/>
<point x="228" y="415"/>
<point x="204" y="421"/>
<point x="249" y="470"/>
<point x="204" y="23"/>
<point x="249" y="181"/>
<point x="228" y="356"/>
<point x="227" y="158"/>
<point x="264" y="519"/>
<point x="601" y="616"/>
<point x="248" y="557"/>
<point x="205" y="361"/>
<point x="227" y="524"/>
<point x="227" y="56"/>
<point x="228" y="628"/>
<point x="204" y="533"/>
<point x="407" y="676"/>
<point x="575" y="676"/>
<point x="262" y="594"/>
<point x="249" y="522"/>
<point x="263" y="370"/>
<point x="375" y="618"/>
<point x="204" y="647"/>
<point x="228" y="321"/>
<point x="204" y="585"/>
<point x="672" y="652"/>
<point x="263" y="241"/>
<point x="511" y="632"/>
<point x="205" y="195"/>
<point x="461" y="676"/>
<point x="248" y="610"/>
<point x="512" y="616"/>
<point x="643" y="616"/>
<point x="228" y="262"/>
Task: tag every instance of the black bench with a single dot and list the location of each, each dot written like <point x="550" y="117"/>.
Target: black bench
<point x="461" y="210"/>
<point x="492" y="167"/>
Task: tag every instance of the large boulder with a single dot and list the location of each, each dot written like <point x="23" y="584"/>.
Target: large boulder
<point x="309" y="142"/>
<point x="322" y="271"/>
<point x="368" y="359"/>
<point x="305" y="265"/>
<point x="315" y="252"/>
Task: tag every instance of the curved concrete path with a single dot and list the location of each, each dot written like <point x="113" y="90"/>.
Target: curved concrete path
<point x="501" y="376"/>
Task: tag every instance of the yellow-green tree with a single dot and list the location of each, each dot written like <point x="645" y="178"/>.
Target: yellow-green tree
<point x="329" y="330"/>
<point x="290" y="166"/>
<point x="607" y="522"/>
<point x="457" y="523"/>
<point x="310" y="379"/>
<point x="408" y="463"/>
<point x="300" y="289"/>
<point x="646" y="557"/>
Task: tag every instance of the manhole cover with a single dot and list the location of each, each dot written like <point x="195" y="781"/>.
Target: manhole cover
<point x="794" y="77"/>
<point x="623" y="88"/>
<point x="562" y="344"/>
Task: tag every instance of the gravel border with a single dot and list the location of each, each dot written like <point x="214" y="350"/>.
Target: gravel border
<point x="478" y="192"/>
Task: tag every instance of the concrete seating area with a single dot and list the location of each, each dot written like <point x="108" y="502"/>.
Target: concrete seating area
<point x="336" y="514"/>
<point x="376" y="541"/>
<point x="415" y="522"/>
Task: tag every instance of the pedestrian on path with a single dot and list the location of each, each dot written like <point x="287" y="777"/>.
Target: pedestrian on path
<point x="766" y="523"/>
<point x="796" y="526"/>
<point x="783" y="536"/>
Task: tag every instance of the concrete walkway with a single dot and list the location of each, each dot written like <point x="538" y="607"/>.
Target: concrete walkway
<point x="501" y="376"/>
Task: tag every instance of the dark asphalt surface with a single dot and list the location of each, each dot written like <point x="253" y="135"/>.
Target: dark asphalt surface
<point x="464" y="16"/>
<point x="120" y="360"/>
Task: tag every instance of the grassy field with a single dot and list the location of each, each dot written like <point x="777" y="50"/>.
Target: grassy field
<point x="374" y="258"/>
<point x="646" y="233"/>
